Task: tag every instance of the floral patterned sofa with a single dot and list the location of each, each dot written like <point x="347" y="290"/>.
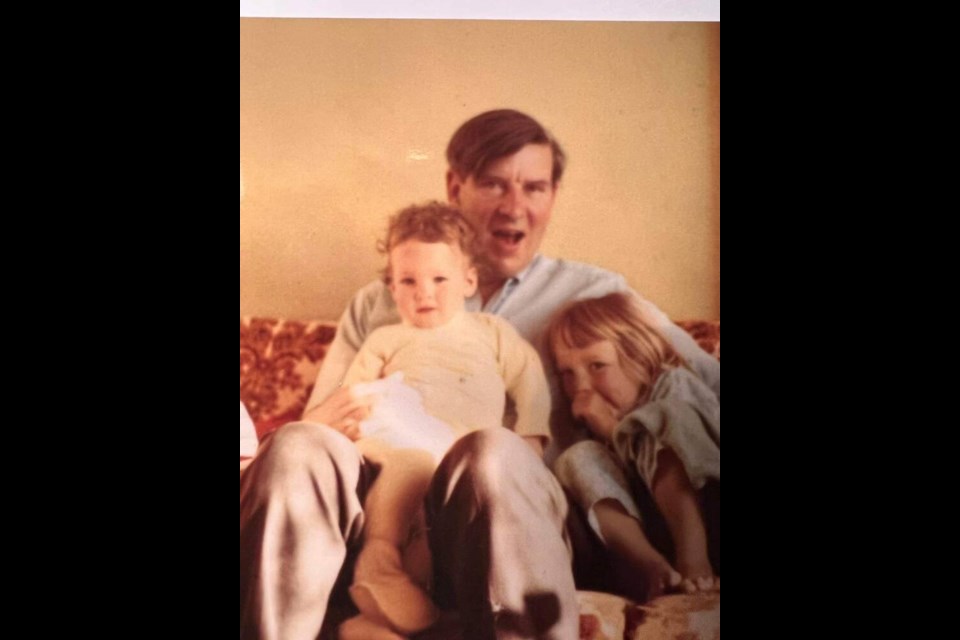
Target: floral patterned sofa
<point x="279" y="360"/>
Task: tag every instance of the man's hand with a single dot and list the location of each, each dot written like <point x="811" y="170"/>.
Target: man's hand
<point x="601" y="416"/>
<point x="342" y="412"/>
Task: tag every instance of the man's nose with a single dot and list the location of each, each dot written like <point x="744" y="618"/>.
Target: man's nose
<point x="511" y="205"/>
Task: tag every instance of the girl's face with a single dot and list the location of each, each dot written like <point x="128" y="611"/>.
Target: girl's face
<point x="596" y="368"/>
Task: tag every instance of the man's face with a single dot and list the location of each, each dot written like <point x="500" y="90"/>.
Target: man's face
<point x="430" y="282"/>
<point x="509" y="206"/>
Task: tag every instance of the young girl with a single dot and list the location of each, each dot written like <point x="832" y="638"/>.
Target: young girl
<point x="639" y="398"/>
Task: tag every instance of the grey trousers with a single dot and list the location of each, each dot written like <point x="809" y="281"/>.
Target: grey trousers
<point x="496" y="528"/>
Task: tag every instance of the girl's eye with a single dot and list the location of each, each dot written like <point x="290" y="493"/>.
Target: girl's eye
<point x="440" y="279"/>
<point x="407" y="281"/>
<point x="598" y="366"/>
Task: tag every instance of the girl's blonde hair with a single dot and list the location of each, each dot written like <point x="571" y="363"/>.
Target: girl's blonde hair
<point x="644" y="352"/>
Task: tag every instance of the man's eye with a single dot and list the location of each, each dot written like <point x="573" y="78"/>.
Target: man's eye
<point x="407" y="281"/>
<point x="440" y="279"/>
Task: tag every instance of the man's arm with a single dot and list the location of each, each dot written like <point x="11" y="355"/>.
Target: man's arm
<point x="343" y="410"/>
<point x="370" y="308"/>
<point x="703" y="364"/>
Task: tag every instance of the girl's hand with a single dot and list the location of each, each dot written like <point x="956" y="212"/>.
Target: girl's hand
<point x="342" y="412"/>
<point x="592" y="408"/>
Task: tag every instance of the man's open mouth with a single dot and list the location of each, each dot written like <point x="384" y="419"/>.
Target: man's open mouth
<point x="510" y="237"/>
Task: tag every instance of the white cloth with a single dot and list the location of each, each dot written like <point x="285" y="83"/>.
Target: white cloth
<point x="248" y="434"/>
<point x="396" y="407"/>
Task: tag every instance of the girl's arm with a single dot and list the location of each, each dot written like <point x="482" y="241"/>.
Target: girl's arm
<point x="683" y="415"/>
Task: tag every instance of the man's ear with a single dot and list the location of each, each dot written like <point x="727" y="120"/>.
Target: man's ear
<point x="472" y="279"/>
<point x="453" y="187"/>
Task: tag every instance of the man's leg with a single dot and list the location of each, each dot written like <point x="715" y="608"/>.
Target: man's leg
<point x="299" y="509"/>
<point x="496" y="516"/>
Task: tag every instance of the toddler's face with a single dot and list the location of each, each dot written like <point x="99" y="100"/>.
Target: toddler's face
<point x="430" y="282"/>
<point x="596" y="369"/>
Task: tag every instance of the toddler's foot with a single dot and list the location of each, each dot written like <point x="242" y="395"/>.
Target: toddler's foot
<point x="385" y="593"/>
<point x="363" y="628"/>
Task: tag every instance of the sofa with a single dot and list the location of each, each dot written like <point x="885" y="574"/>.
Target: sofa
<point x="279" y="361"/>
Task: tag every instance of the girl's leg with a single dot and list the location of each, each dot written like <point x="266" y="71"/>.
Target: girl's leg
<point x="595" y="480"/>
<point x="679" y="504"/>
<point x="648" y="573"/>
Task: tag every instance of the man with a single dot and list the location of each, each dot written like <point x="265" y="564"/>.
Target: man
<point x="496" y="514"/>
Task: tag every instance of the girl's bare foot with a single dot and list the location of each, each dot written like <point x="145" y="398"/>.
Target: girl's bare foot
<point x="697" y="573"/>
<point x="641" y="570"/>
<point x="659" y="578"/>
<point x="678" y="503"/>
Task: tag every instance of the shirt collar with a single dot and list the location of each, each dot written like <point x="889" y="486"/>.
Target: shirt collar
<point x="520" y="277"/>
<point x="495" y="304"/>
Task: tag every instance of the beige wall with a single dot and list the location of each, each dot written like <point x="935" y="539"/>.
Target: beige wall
<point x="344" y="122"/>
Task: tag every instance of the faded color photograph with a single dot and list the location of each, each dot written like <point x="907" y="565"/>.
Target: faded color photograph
<point x="479" y="329"/>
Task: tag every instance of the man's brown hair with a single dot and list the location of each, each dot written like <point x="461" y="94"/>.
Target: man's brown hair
<point x="497" y="134"/>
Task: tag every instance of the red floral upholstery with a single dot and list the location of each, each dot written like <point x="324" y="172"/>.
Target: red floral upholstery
<point x="279" y="361"/>
<point x="706" y="333"/>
